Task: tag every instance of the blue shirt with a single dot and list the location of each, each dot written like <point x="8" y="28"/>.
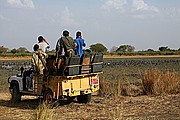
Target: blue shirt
<point x="79" y="46"/>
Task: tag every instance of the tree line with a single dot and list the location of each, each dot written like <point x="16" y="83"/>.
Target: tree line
<point x="100" y="48"/>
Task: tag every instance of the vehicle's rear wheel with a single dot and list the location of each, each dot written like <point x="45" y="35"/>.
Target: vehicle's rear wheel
<point x="15" y="94"/>
<point x="48" y="97"/>
<point x="84" y="98"/>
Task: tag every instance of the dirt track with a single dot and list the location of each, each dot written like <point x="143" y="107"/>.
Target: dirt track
<point x="126" y="108"/>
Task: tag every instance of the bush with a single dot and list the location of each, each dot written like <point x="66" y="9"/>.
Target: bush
<point x="158" y="82"/>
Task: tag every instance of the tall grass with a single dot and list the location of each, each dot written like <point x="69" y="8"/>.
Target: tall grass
<point x="153" y="81"/>
<point x="43" y="113"/>
<point x="120" y="85"/>
<point x="158" y="82"/>
<point x="110" y="87"/>
<point x="106" y="88"/>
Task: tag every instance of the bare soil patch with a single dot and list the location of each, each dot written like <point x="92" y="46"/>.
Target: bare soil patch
<point x="100" y="108"/>
<point x="16" y="58"/>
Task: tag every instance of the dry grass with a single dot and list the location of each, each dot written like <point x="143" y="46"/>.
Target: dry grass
<point x="159" y="82"/>
<point x="43" y="113"/>
<point x="110" y="87"/>
<point x="119" y="86"/>
<point x="122" y="108"/>
<point x="153" y="82"/>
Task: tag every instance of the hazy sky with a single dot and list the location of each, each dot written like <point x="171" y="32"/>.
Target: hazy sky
<point x="141" y="23"/>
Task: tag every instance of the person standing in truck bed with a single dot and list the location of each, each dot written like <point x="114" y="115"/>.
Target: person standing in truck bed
<point x="39" y="60"/>
<point x="79" y="44"/>
<point x="66" y="44"/>
<point x="43" y="44"/>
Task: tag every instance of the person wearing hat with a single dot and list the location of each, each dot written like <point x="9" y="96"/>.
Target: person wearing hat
<point x="79" y="44"/>
<point x="66" y="44"/>
<point x="43" y="44"/>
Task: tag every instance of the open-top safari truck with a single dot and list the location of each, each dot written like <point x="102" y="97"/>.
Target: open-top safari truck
<point x="69" y="80"/>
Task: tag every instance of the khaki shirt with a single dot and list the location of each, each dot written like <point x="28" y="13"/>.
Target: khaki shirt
<point x="39" y="61"/>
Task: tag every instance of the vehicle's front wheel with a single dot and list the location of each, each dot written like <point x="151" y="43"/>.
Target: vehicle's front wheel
<point x="48" y="97"/>
<point x="84" y="98"/>
<point x="15" y="94"/>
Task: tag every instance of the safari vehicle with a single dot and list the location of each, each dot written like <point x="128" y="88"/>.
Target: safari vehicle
<point x="72" y="79"/>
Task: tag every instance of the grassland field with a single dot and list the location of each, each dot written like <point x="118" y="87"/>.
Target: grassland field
<point x="131" y="104"/>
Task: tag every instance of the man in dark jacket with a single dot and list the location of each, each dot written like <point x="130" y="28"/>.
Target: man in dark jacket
<point x="66" y="44"/>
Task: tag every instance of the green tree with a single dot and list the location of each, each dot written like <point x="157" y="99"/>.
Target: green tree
<point x="98" y="48"/>
<point x="164" y="48"/>
<point x="14" y="51"/>
<point x="22" y="50"/>
<point x="125" y="48"/>
<point x="150" y="50"/>
<point x="3" y="49"/>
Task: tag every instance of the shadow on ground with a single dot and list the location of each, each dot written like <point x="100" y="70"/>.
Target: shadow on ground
<point x="32" y="103"/>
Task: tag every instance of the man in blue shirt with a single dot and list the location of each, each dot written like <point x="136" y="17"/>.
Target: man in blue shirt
<point x="79" y="44"/>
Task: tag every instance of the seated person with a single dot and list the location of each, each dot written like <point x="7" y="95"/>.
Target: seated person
<point x="27" y="79"/>
<point x="22" y="70"/>
<point x="51" y="65"/>
<point x="29" y="82"/>
<point x="65" y="48"/>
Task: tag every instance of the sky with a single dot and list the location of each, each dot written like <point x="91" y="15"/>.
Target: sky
<point x="144" y="24"/>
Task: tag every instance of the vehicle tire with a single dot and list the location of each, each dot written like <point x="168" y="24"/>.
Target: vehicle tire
<point x="84" y="98"/>
<point x="48" y="97"/>
<point x="15" y="94"/>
